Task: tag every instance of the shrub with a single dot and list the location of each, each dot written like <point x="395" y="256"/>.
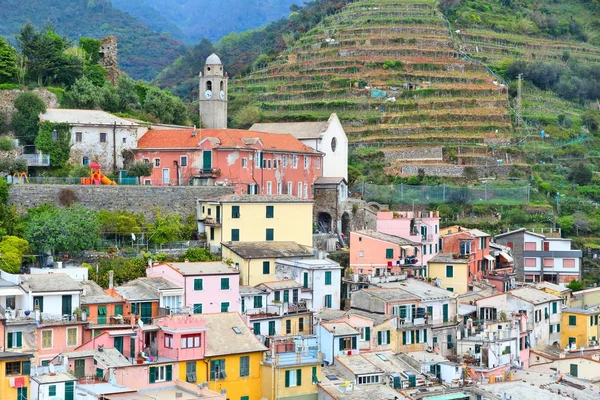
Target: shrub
<point x="6" y="143"/>
<point x="11" y="262"/>
<point x="197" y="254"/>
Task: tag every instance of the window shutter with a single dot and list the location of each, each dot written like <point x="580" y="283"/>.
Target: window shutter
<point x="388" y="337"/>
<point x="403" y="337"/>
<point x="10" y="340"/>
<point x="169" y="372"/>
<point x="26" y="367"/>
<point x="354" y="346"/>
<point x="287" y="378"/>
<point x="379" y="337"/>
<point x="557" y="327"/>
<point x="328" y="277"/>
<point x="412" y="337"/>
<point x="152" y="374"/>
<point x="425" y="335"/>
<point x="19" y="339"/>
<point x="341" y="343"/>
<point x="368" y="333"/>
<point x="298" y="377"/>
<point x="315" y="378"/>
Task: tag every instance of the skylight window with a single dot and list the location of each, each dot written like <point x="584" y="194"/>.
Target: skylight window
<point x="237" y="330"/>
<point x="384" y="358"/>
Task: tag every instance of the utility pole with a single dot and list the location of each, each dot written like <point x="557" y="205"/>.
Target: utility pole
<point x="519" y="86"/>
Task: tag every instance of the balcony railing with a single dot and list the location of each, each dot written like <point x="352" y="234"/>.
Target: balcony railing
<point x="211" y="221"/>
<point x="274" y="310"/>
<point x="36" y="160"/>
<point x="293" y="308"/>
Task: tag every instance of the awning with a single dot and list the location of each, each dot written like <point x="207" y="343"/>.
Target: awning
<point x="489" y="258"/>
<point x="466" y="309"/>
<point x="123" y="332"/>
<point x="11" y="291"/>
<point x="505" y="255"/>
<point x="407" y="247"/>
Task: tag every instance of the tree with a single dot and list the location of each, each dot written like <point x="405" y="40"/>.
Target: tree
<point x="166" y="107"/>
<point x="139" y="169"/>
<point x="109" y="98"/>
<point x="26" y="120"/>
<point x="575" y="285"/>
<point x="60" y="150"/>
<point x="581" y="175"/>
<point x="590" y="121"/>
<point x="197" y="254"/>
<point x="84" y="94"/>
<point x="247" y="116"/>
<point x="128" y="97"/>
<point x="74" y="228"/>
<point x="167" y="228"/>
<point x="46" y="57"/>
<point x="12" y="250"/>
<point x="8" y="62"/>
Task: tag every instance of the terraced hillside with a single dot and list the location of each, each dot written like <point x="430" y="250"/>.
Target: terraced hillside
<point x="391" y="71"/>
<point x="547" y="32"/>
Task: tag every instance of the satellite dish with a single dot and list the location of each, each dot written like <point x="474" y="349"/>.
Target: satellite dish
<point x="133" y="236"/>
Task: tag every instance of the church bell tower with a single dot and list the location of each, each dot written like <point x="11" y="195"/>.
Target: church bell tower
<point x="213" y="94"/>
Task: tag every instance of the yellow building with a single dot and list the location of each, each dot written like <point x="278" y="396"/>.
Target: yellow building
<point x="290" y="374"/>
<point x="232" y="359"/>
<point x="256" y="260"/>
<point x="579" y="326"/>
<point x="254" y="218"/>
<point x="452" y="273"/>
<point x="14" y="375"/>
<point x="587" y="297"/>
<point x="563" y="292"/>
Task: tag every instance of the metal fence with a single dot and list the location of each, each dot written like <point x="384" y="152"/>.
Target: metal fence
<point x="423" y="194"/>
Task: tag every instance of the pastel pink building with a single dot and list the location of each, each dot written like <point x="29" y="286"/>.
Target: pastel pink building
<point x="182" y="338"/>
<point x="209" y="287"/>
<point x="251" y="162"/>
<point x="418" y="226"/>
<point x="375" y="253"/>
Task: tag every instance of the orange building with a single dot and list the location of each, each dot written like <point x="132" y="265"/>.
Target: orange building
<point x="472" y="245"/>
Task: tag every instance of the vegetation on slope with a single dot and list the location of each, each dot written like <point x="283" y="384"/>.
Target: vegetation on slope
<point x="142" y="52"/>
<point x="242" y="51"/>
<point x="193" y="20"/>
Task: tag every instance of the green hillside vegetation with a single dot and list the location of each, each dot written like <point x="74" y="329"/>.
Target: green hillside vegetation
<point x="240" y="52"/>
<point x="142" y="52"/>
<point x="193" y="20"/>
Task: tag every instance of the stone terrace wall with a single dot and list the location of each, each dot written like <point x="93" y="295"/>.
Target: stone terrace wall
<point x="457" y="170"/>
<point x="414" y="154"/>
<point x="137" y="199"/>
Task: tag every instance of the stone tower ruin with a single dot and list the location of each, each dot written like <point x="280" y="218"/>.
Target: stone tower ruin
<point x="108" y="58"/>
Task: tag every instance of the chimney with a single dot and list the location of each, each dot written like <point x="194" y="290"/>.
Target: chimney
<point x="111" y="275"/>
<point x="194" y="133"/>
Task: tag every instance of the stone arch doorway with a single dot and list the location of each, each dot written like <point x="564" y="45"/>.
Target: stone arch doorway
<point x="324" y="222"/>
<point x="346" y="224"/>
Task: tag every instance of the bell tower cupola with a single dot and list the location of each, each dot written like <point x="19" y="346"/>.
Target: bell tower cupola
<point x="213" y="94"/>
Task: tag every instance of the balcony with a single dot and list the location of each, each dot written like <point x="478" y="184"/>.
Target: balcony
<point x="427" y="238"/>
<point x="264" y="312"/>
<point x="36" y="160"/>
<point x="113" y="320"/>
<point x="295" y="308"/>
<point x="298" y="357"/>
<point x="211" y="221"/>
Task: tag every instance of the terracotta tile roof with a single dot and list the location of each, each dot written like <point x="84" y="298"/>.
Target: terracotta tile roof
<point x="237" y="138"/>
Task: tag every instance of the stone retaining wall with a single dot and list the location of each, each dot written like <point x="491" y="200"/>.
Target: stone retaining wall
<point x="414" y="154"/>
<point x="457" y="170"/>
<point x="137" y="199"/>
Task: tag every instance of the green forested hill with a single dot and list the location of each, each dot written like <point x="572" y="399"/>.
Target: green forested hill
<point x="198" y="19"/>
<point x="142" y="52"/>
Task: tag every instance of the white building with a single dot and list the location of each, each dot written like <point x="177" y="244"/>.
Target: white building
<point x="542" y="310"/>
<point x="327" y="137"/>
<point x="337" y="338"/>
<point x="98" y="136"/>
<point x="51" y="386"/>
<point x="54" y="296"/>
<point x="496" y="347"/>
<point x="321" y="280"/>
